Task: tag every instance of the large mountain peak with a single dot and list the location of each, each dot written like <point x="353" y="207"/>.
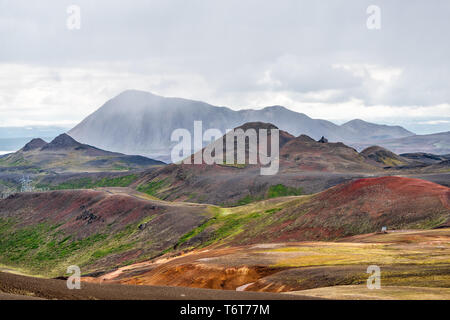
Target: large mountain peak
<point x="139" y="122"/>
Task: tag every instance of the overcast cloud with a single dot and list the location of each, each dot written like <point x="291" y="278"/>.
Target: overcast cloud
<point x="316" y="57"/>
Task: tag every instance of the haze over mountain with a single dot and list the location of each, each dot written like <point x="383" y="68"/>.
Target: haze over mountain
<point x="437" y="143"/>
<point x="138" y="122"/>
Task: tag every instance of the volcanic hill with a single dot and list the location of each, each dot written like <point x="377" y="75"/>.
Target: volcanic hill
<point x="306" y="166"/>
<point x="66" y="154"/>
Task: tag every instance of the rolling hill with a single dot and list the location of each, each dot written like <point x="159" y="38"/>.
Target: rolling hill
<point x="103" y="229"/>
<point x="306" y="166"/>
<point x="96" y="230"/>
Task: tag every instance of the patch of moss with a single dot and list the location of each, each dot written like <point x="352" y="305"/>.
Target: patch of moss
<point x="274" y="191"/>
<point x="429" y="223"/>
<point x="281" y="190"/>
<point x="152" y="187"/>
<point x="43" y="249"/>
<point x="111" y="250"/>
<point x="246" y="200"/>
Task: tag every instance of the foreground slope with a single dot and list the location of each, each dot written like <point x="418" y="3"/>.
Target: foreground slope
<point x="17" y="287"/>
<point x="103" y="229"/>
<point x="409" y="261"/>
<point x="45" y="232"/>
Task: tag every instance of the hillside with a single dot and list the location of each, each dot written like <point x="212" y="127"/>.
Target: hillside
<point x="383" y="157"/>
<point x="352" y="208"/>
<point x="96" y="230"/>
<point x="64" y="154"/>
<point x="104" y="229"/>
<point x="414" y="263"/>
<point x="143" y="124"/>
<point x="306" y="166"/>
<point x="304" y="153"/>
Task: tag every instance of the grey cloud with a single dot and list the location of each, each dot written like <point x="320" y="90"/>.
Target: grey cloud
<point x="233" y="44"/>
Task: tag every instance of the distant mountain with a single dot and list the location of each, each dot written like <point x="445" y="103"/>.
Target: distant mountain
<point x="438" y="144"/>
<point x="427" y="158"/>
<point x="137" y="122"/>
<point x="13" y="138"/>
<point x="65" y="154"/>
<point x="34" y="144"/>
<point x="365" y="131"/>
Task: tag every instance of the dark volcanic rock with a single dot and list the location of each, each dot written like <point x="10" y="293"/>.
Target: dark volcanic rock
<point x="34" y="144"/>
<point x="88" y="216"/>
<point x="62" y="142"/>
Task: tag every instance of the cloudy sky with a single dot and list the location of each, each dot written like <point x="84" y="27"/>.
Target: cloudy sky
<point x="315" y="57"/>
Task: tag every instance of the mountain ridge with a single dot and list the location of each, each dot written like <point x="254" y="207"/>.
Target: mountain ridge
<point x="140" y="122"/>
<point x="65" y="154"/>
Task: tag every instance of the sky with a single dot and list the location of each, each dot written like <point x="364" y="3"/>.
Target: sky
<point x="315" y="57"/>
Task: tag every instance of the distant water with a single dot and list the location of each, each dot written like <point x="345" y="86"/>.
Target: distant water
<point x="5" y="152"/>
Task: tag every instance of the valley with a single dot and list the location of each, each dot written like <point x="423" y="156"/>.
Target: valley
<point x="224" y="230"/>
<point x="282" y="244"/>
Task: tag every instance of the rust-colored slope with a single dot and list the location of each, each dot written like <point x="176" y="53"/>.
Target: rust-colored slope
<point x="357" y="207"/>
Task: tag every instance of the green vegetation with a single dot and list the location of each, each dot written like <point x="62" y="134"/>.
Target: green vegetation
<point x="13" y="161"/>
<point x="225" y="224"/>
<point x="195" y="231"/>
<point x="9" y="185"/>
<point x="274" y="191"/>
<point x="246" y="200"/>
<point x="40" y="247"/>
<point x="120" y="167"/>
<point x="88" y="183"/>
<point x="45" y="250"/>
<point x="105" y="252"/>
<point x="392" y="162"/>
<point x="152" y="187"/>
<point x="234" y="165"/>
<point x="281" y="190"/>
<point x="254" y="218"/>
<point x="430" y="223"/>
